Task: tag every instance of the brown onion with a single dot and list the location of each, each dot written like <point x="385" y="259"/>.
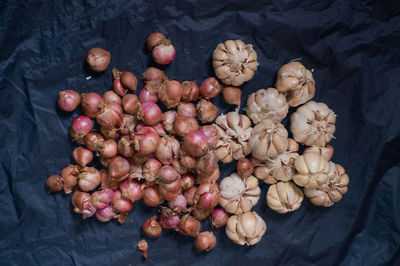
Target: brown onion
<point x="186" y="109"/>
<point x="190" y="91"/>
<point x="154" y="39"/>
<point x="130" y="104"/>
<point x="82" y="156"/>
<point x="131" y="189"/>
<point x="54" y="183"/>
<point x="206" y="111"/>
<point x="151" y="228"/>
<point x="94" y="141"/>
<point x="109" y="149"/>
<point x="170" y="93"/>
<point x="146" y="141"/>
<point x="98" y="59"/>
<point x="244" y="167"/>
<point x="82" y="204"/>
<point x="232" y="95"/>
<point x="211" y="134"/>
<point x="151" y="169"/>
<point x="68" y="100"/>
<point x="184" y="125"/>
<point x="205" y="241"/>
<point x="81" y="126"/>
<point x="219" y="217"/>
<point x="118" y="168"/>
<point x="187" y="181"/>
<point x="89" y="178"/>
<point x="111" y="97"/>
<point x="154" y="74"/>
<point x="69" y="176"/>
<point x="151" y="196"/>
<point x="189" y="226"/>
<point x="150" y="113"/>
<point x="210" y="88"/>
<point x="195" y="143"/>
<point x="91" y="104"/>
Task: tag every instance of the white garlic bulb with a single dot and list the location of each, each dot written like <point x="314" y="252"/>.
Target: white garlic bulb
<point x="284" y="197"/>
<point x="247" y="228"/>
<point x="312" y="170"/>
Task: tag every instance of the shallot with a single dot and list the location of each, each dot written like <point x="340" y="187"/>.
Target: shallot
<point x="150" y="113"/>
<point x="195" y="143"/>
<point x="131" y="189"/>
<point x="210" y="88"/>
<point x="144" y="247"/>
<point x="146" y="141"/>
<point x="82" y="204"/>
<point x="109" y="148"/>
<point x="151" y="227"/>
<point x="219" y="217"/>
<point x="68" y="100"/>
<point x="69" y="177"/>
<point x="168" y="219"/>
<point x="94" y="141"/>
<point x="81" y="126"/>
<point x="151" y="196"/>
<point x="184" y="125"/>
<point x="82" y="156"/>
<point x="154" y="74"/>
<point x="205" y="241"/>
<point x="90" y="104"/>
<point x="178" y="205"/>
<point x="206" y="111"/>
<point x="102" y="198"/>
<point x="98" y="59"/>
<point x="189" y="226"/>
<point x="232" y="95"/>
<point x="54" y="183"/>
<point x="170" y="93"/>
<point x="130" y="104"/>
<point x="106" y="214"/>
<point x="190" y="91"/>
<point x="118" y="167"/>
<point x="89" y="178"/>
<point x="121" y="204"/>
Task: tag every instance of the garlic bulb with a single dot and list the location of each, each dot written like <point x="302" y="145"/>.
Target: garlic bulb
<point x="268" y="140"/>
<point x="312" y="170"/>
<point x="267" y="104"/>
<point x="234" y="132"/>
<point x="313" y="124"/>
<point x="234" y="62"/>
<point x="279" y="168"/>
<point x="296" y="82"/>
<point x="239" y="195"/>
<point x="330" y="192"/>
<point x="247" y="228"/>
<point x="325" y="151"/>
<point x="284" y="197"/>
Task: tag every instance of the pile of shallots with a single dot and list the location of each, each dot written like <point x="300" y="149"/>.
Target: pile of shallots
<point x="169" y="160"/>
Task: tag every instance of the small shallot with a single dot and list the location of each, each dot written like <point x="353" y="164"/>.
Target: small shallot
<point x="168" y="149"/>
<point x="90" y="104"/>
<point x="150" y="113"/>
<point x="69" y="176"/>
<point x="232" y="95"/>
<point x="144" y="247"/>
<point x="178" y="205"/>
<point x="170" y="93"/>
<point x="189" y="226"/>
<point x="130" y="104"/>
<point x="169" y="219"/>
<point x="219" y="217"/>
<point x="68" y="100"/>
<point x="120" y="203"/>
<point x="102" y="198"/>
<point x="205" y="241"/>
<point x="89" y="178"/>
<point x="168" y="120"/>
<point x="131" y="189"/>
<point x="109" y="148"/>
<point x="206" y="111"/>
<point x="54" y="183"/>
<point x="151" y="227"/>
<point x="106" y="214"/>
<point x="184" y="125"/>
<point x="187" y="181"/>
<point x="195" y="143"/>
<point x="118" y="167"/>
<point x="210" y="88"/>
<point x="146" y="141"/>
<point x="98" y="59"/>
<point x="94" y="141"/>
<point x="186" y="109"/>
<point x="190" y="91"/>
<point x="154" y="74"/>
<point x="151" y="196"/>
<point x="151" y="169"/>
<point x="82" y="204"/>
<point x="244" y="167"/>
<point x="82" y="156"/>
<point x="81" y="126"/>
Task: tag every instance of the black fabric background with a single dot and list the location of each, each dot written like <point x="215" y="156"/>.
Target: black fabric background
<point x="352" y="46"/>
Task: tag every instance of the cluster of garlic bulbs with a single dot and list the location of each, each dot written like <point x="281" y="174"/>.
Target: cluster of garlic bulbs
<point x="275" y="157"/>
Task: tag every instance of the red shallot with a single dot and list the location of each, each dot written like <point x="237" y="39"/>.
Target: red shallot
<point x="210" y="88"/>
<point x="190" y="91"/>
<point x="68" y="100"/>
<point x="219" y="217"/>
<point x="54" y="183"/>
<point x="178" y="205"/>
<point x="118" y="168"/>
<point x="206" y="111"/>
<point x="98" y="59"/>
<point x="82" y="156"/>
<point x="131" y="189"/>
<point x="109" y="148"/>
<point x="195" y="143"/>
<point x="205" y="241"/>
<point x="189" y="226"/>
<point x="81" y="126"/>
<point x="94" y="141"/>
<point x="151" y="196"/>
<point x="82" y="204"/>
<point x="184" y="125"/>
<point x="154" y="74"/>
<point x="146" y="141"/>
<point x="69" y="176"/>
<point x="151" y="227"/>
<point x="150" y="113"/>
<point x="91" y="104"/>
<point x="170" y="93"/>
<point x="102" y="198"/>
<point x="106" y="214"/>
<point x="121" y="204"/>
<point x="168" y="149"/>
<point x="130" y="104"/>
<point x="89" y="178"/>
<point x="187" y="181"/>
